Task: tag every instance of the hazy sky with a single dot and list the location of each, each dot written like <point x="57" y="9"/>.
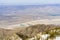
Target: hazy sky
<point x="21" y="2"/>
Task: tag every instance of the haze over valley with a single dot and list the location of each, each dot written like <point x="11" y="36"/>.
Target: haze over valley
<point x="17" y="14"/>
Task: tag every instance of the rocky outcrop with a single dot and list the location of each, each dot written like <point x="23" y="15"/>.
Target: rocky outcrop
<point x="34" y="32"/>
<point x="7" y="34"/>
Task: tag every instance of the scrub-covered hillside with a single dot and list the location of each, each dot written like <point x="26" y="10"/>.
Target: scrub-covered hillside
<point x="33" y="32"/>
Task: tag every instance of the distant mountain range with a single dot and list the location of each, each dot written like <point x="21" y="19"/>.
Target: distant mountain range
<point x="15" y="7"/>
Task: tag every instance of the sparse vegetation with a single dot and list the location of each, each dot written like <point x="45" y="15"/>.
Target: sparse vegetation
<point x="30" y="32"/>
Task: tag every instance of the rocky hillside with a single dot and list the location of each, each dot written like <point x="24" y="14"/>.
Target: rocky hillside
<point x="7" y="34"/>
<point x="28" y="32"/>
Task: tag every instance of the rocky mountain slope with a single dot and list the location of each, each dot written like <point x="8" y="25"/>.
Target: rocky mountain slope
<point x="27" y="32"/>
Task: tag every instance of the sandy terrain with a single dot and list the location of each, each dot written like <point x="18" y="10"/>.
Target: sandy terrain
<point x="26" y="24"/>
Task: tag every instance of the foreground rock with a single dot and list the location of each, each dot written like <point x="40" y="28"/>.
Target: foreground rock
<point x="34" y="32"/>
<point x="7" y="34"/>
